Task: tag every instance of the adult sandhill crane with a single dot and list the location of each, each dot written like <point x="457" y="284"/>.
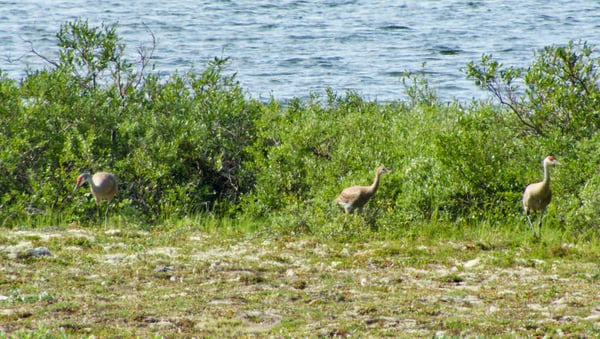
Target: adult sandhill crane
<point x="538" y="195"/>
<point x="103" y="186"/>
<point x="356" y="197"/>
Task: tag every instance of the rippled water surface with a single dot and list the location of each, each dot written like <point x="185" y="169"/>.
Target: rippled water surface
<point x="294" y="48"/>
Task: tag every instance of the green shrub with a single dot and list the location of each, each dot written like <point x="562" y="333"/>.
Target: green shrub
<point x="177" y="145"/>
<point x="306" y="153"/>
<point x="555" y="109"/>
<point x="557" y="94"/>
<point x="194" y="143"/>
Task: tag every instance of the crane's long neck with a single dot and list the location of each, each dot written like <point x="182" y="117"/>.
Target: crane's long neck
<point x="93" y="187"/>
<point x="375" y="185"/>
<point x="546" y="181"/>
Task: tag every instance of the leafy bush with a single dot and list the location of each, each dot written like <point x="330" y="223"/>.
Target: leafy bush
<point x="177" y="145"/>
<point x="306" y="153"/>
<point x="555" y="109"/>
<point x="194" y="143"/>
<point x="559" y="92"/>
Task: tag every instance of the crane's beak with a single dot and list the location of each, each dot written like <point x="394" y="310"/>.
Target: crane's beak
<point x="76" y="187"/>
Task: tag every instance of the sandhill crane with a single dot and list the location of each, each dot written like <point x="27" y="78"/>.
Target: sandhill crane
<point x="103" y="186"/>
<point x="538" y="195"/>
<point x="356" y="197"/>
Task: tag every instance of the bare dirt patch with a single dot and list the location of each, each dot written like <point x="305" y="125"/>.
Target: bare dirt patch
<point x="198" y="284"/>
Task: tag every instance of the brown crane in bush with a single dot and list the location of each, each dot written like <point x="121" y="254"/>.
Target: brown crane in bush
<point x="538" y="195"/>
<point x="356" y="197"/>
<point x="103" y="186"/>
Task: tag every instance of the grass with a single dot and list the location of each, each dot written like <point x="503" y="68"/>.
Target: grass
<point x="217" y="281"/>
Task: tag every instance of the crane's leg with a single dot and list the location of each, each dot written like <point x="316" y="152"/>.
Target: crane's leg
<point x="347" y="210"/>
<point x="99" y="212"/>
<point x="529" y="221"/>
<point x="106" y="214"/>
<point x="540" y="227"/>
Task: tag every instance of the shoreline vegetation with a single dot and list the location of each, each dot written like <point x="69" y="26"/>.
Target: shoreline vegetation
<point x="225" y="222"/>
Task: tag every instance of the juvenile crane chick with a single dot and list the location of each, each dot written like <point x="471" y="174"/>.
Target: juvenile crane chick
<point x="356" y="197"/>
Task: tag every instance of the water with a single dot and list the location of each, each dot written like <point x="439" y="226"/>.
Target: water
<point x="293" y="48"/>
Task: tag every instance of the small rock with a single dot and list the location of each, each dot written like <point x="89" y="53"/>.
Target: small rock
<point x="38" y="252"/>
<point x="112" y="232"/>
<point x="163" y="269"/>
<point x="471" y="263"/>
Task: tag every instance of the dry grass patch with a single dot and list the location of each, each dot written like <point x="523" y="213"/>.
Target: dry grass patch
<point x="191" y="283"/>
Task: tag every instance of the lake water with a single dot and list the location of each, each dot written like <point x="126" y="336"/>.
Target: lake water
<point x="293" y="48"/>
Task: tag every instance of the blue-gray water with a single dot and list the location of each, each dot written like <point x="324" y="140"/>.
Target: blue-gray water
<point x="294" y="48"/>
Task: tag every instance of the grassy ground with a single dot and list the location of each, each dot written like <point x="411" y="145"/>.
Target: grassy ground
<point x="187" y="282"/>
